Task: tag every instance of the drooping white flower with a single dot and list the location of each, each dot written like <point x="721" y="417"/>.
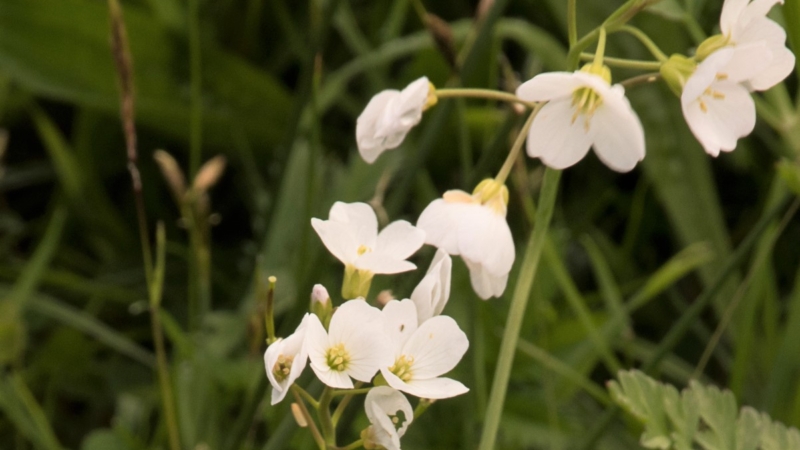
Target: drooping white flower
<point x="351" y="234"/>
<point x="432" y="293"/>
<point x="285" y="360"/>
<point x="355" y="345"/>
<point x="474" y="226"/>
<point x="422" y="354"/>
<point x="717" y="107"/>
<point x="390" y="414"/>
<point x="743" y="23"/>
<point x="388" y="117"/>
<point x="583" y="110"/>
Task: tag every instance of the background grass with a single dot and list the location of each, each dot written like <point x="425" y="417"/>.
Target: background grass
<point x="275" y="86"/>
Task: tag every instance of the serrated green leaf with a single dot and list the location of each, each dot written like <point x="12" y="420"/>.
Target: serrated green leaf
<point x="684" y="416"/>
<point x="748" y="429"/>
<point x="718" y="411"/>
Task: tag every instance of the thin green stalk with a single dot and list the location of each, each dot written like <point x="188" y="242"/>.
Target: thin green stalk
<point x="357" y="444"/>
<point x="337" y="413"/>
<point x="572" y="22"/>
<point x="624" y="63"/>
<point x="488" y="94"/>
<point x="519" y="302"/>
<point x="341" y="392"/>
<point x="324" y="414"/>
<point x="195" y="80"/>
<point x="306" y="396"/>
<point x="309" y="420"/>
<point x="164" y="379"/>
<point x="515" y="149"/>
<point x="646" y="41"/>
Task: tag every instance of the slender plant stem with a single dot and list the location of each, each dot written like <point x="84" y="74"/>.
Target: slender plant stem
<point x="153" y="275"/>
<point x="164" y="379"/>
<point x="337" y="413"/>
<point x="640" y="79"/>
<point x="519" y="302"/>
<point x="306" y="396"/>
<point x="195" y="80"/>
<point x="340" y="392"/>
<point x="572" y="22"/>
<point x="309" y="421"/>
<point x="646" y="41"/>
<point x="488" y="94"/>
<point x="357" y="444"/>
<point x="624" y="63"/>
<point x="324" y="414"/>
<point x="502" y="175"/>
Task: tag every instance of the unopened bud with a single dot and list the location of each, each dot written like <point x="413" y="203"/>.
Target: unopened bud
<point x="676" y="71"/>
<point x="321" y="304"/>
<point x="320" y="295"/>
<point x="384" y="297"/>
<point x="710" y="45"/>
<point x="298" y="416"/>
<point x="172" y="173"/>
<point x="209" y="174"/>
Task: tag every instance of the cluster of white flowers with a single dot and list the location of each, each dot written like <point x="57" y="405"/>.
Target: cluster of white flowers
<point x="408" y="344"/>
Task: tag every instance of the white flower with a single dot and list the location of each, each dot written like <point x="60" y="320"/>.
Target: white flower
<point x="743" y="22"/>
<point x="717" y="106"/>
<point x="285" y="360"/>
<point x="583" y="110"/>
<point x="475" y="227"/>
<point x="351" y="234"/>
<point x="355" y="345"/>
<point x="432" y="293"/>
<point x="422" y="354"/>
<point x="390" y="414"/>
<point x="388" y="117"/>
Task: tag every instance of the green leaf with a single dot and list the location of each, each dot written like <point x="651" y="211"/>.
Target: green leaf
<point x="718" y="411"/>
<point x="791" y="14"/>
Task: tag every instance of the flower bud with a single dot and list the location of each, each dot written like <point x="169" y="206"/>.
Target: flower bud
<point x="710" y="45"/>
<point x="676" y="71"/>
<point x="321" y="304"/>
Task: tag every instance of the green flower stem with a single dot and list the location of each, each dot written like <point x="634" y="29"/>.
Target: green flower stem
<point x="614" y="22"/>
<point x="339" y="392"/>
<point x="488" y="94"/>
<point x="640" y="79"/>
<point x="522" y="292"/>
<point x="515" y="149"/>
<point x="269" y="298"/>
<point x="324" y="414"/>
<point x="306" y="396"/>
<point x="646" y="41"/>
<point x="296" y="391"/>
<point x="357" y="444"/>
<point x="572" y="22"/>
<point x="624" y="63"/>
<point x="601" y="48"/>
<point x="422" y="406"/>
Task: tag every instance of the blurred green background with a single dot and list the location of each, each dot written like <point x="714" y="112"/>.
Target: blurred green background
<point x="275" y="86"/>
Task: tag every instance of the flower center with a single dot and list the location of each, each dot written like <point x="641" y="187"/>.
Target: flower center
<point x="712" y="94"/>
<point x="338" y="358"/>
<point x="363" y="249"/>
<point x="282" y="367"/>
<point x="586" y="102"/>
<point x="402" y="367"/>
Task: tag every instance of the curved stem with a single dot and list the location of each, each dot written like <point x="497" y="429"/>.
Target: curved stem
<point x="572" y="22"/>
<point x="357" y="444"/>
<point x="512" y="155"/>
<point x="646" y="41"/>
<point x="624" y="63"/>
<point x="356" y="391"/>
<point x="324" y="414"/>
<point x="519" y="302"/>
<point x="640" y="79"/>
<point x="488" y="94"/>
<point x="306" y="396"/>
<point x="307" y="416"/>
<point x="601" y="48"/>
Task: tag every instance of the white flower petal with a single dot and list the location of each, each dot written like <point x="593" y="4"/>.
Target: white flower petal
<point x="401" y="322"/>
<point x="548" y="86"/>
<point x="436" y="347"/>
<point x="618" y="133"/>
<point x="484" y="283"/>
<point x="381" y="263"/>
<point x="554" y="137"/>
<point x="731" y="11"/>
<point x="400" y="239"/>
<point x="369" y="144"/>
<point x="485" y="237"/>
<point x="335" y="379"/>
<point x="431" y="294"/>
<point x="360" y="328"/>
<point x="435" y="388"/>
<point x="316" y="344"/>
<point x="337" y="238"/>
<point x="361" y="217"/>
<point x="438" y="221"/>
<point x="724" y="121"/>
<point x="381" y="404"/>
<point x="781" y="64"/>
<point x="747" y="61"/>
<point x="756" y="9"/>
